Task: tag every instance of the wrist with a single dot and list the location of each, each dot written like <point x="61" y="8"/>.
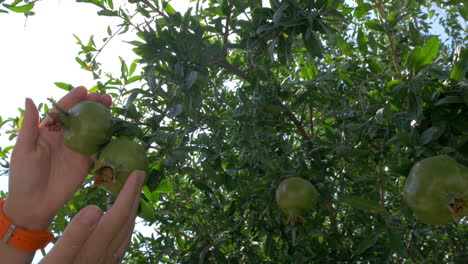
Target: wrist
<point x="21" y="239"/>
<point x="24" y="218"/>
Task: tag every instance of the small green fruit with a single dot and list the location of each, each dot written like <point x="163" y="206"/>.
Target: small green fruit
<point x="295" y="196"/>
<point x="116" y="161"/>
<point x="86" y="126"/>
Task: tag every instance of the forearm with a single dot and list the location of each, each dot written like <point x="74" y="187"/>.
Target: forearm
<point x="12" y="255"/>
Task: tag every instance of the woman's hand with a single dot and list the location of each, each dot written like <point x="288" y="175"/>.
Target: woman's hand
<point x="44" y="173"/>
<point x="95" y="238"/>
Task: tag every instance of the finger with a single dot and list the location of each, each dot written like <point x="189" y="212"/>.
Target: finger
<point x="73" y="97"/>
<point x="126" y="203"/>
<point x="127" y="230"/>
<point x="124" y="243"/>
<point x="114" y="221"/>
<point x="106" y="100"/>
<point x="29" y="132"/>
<point x="93" y="97"/>
<point x="76" y="234"/>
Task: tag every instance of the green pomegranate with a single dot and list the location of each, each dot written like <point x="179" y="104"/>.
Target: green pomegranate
<point x="86" y="126"/>
<point x="295" y="196"/>
<point x="116" y="161"/>
<point x="437" y="190"/>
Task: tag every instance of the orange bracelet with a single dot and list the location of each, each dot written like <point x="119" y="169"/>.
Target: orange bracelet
<point x="26" y="240"/>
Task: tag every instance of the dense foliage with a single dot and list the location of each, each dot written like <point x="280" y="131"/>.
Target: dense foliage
<point x="233" y="96"/>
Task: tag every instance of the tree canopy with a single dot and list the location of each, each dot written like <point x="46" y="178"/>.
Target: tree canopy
<point x="231" y="97"/>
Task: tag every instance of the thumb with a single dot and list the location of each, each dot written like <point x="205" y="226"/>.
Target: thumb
<point x="30" y="126"/>
<point x="75" y="235"/>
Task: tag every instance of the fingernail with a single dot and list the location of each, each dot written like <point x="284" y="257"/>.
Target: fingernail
<point x="79" y="87"/>
<point x="90" y="216"/>
<point x="27" y="103"/>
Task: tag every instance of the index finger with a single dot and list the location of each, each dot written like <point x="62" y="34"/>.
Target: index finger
<point x="119" y="213"/>
<point x="116" y="218"/>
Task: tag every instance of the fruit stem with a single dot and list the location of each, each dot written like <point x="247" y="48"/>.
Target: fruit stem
<point x="61" y="116"/>
<point x="61" y="110"/>
<point x="293" y="219"/>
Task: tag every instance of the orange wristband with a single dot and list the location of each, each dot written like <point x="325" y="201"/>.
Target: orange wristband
<point x="26" y="240"/>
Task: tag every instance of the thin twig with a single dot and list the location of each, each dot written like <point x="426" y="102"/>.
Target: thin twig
<point x="226" y="27"/>
<point x="155" y="9"/>
<point x="293" y="118"/>
<point x="383" y="20"/>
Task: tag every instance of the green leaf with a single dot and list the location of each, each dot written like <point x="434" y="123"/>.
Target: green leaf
<point x="64" y="86"/>
<point x="373" y="44"/>
<point x="423" y="56"/>
<point x="313" y="44"/>
<point x="460" y="68"/>
<point x="279" y="14"/>
<point x="165" y="186"/>
<point x="374" y="66"/>
<point x="375" y="25"/>
<point x="133" y="79"/>
<point x="362" y="42"/>
<point x="168" y="8"/>
<point x="362" y="10"/>
<point x="202" y="186"/>
<point x="175" y="111"/>
<point x="107" y="12"/>
<point x="146" y="211"/>
<point x="360" y="203"/>
<point x="414" y="34"/>
<point x="345" y="47"/>
<point x="465" y="95"/>
<point x="81" y="62"/>
<point x="366" y="243"/>
<point x="190" y="79"/>
<point x="99" y="3"/>
<point x="110" y="3"/>
<point x="148" y="194"/>
<point x="450" y="100"/>
<point x="463" y="10"/>
<point x="20" y="9"/>
<point x="133" y="67"/>
<point x="429" y="135"/>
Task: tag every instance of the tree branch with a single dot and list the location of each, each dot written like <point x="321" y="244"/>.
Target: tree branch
<point x="233" y="69"/>
<point x="150" y="5"/>
<point x="293" y="118"/>
<point x="332" y="212"/>
<point x="226" y="30"/>
<point x="383" y="20"/>
<point x="311" y="114"/>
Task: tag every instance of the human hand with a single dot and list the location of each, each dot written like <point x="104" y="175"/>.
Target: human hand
<point x="44" y="173"/>
<point x="100" y="239"/>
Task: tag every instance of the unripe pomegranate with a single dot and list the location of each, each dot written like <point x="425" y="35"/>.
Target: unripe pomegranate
<point x="295" y="196"/>
<point x="86" y="126"/>
<point x="437" y="190"/>
<point x="116" y="161"/>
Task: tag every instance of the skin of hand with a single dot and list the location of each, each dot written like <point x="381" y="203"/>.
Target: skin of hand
<point x="100" y="239"/>
<point x="44" y="173"/>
